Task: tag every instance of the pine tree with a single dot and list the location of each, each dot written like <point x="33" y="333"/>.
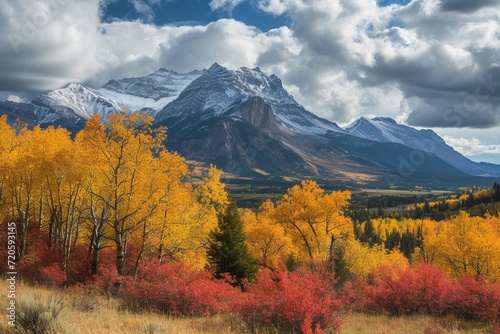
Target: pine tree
<point x="369" y="235"/>
<point x="227" y="250"/>
<point x="496" y="192"/>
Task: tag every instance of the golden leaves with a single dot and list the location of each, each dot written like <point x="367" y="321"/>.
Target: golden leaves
<point x="466" y="244"/>
<point x="115" y="182"/>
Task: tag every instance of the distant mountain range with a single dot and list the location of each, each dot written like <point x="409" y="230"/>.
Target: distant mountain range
<point x="246" y="123"/>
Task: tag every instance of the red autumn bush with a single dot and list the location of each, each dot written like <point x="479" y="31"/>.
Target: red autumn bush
<point x="424" y="290"/>
<point x="474" y="299"/>
<point x="409" y="291"/>
<point x="53" y="275"/>
<point x="297" y="301"/>
<point x="178" y="290"/>
<point x="107" y="281"/>
<point x="356" y="295"/>
<point x="37" y="259"/>
<point x="78" y="268"/>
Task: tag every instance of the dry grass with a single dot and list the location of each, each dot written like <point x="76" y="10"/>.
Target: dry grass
<point x="87" y="313"/>
<point x="379" y="324"/>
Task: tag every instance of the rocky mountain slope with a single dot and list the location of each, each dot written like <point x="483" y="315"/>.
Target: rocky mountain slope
<point x="246" y="123"/>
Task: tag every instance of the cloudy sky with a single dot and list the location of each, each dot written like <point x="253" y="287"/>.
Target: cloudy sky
<point x="426" y="63"/>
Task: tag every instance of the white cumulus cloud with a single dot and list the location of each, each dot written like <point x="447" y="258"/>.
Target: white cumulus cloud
<point x="227" y="5"/>
<point x="471" y="146"/>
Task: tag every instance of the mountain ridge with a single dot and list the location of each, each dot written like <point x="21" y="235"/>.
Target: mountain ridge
<point x="245" y="121"/>
<point x="384" y="129"/>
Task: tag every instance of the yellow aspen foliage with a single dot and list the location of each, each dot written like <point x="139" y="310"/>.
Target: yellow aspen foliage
<point x="313" y="219"/>
<point x="212" y="191"/>
<point x="465" y="244"/>
<point x="266" y="240"/>
<point x="384" y="225"/>
<point x="361" y="259"/>
<point x="24" y="182"/>
<point x="39" y="184"/>
<point x="188" y="213"/>
<point x="63" y="195"/>
<point x="115" y="185"/>
<point x="184" y="227"/>
<point x="8" y="145"/>
<point x="128" y="186"/>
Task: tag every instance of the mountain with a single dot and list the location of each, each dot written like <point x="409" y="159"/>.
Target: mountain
<point x="246" y="123"/>
<point x="218" y="89"/>
<point x="151" y="92"/>
<point x="387" y="130"/>
<point x="71" y="106"/>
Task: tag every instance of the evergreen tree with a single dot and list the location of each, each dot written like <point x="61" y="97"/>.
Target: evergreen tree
<point x="427" y="207"/>
<point x="227" y="250"/>
<point x="496" y="192"/>
<point x="369" y="235"/>
<point x="340" y="267"/>
<point x="408" y="244"/>
<point x="393" y="239"/>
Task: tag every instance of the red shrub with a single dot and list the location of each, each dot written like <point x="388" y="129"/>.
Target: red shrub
<point x="355" y="295"/>
<point x="474" y="299"/>
<point x="36" y="259"/>
<point x="41" y="259"/>
<point x="78" y="268"/>
<point x="422" y="290"/>
<point x="176" y="289"/>
<point x="53" y="275"/>
<point x="297" y="301"/>
<point x="107" y="281"/>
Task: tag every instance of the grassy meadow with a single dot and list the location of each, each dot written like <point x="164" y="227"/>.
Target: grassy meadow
<point x="84" y="312"/>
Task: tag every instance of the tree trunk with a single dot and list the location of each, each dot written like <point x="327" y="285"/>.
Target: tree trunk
<point x="331" y="254"/>
<point x="95" y="247"/>
<point x="141" y="251"/>
<point x="120" y="254"/>
<point x="94" y="260"/>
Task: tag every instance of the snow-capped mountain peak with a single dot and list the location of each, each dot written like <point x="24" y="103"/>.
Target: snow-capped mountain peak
<point x="386" y="129"/>
<point x="84" y="102"/>
<point x="385" y="120"/>
<point x="151" y="92"/>
<point x="381" y="129"/>
<point x="157" y="85"/>
<point x="218" y="88"/>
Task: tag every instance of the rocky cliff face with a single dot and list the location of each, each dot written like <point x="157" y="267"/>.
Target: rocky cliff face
<point x="256" y="112"/>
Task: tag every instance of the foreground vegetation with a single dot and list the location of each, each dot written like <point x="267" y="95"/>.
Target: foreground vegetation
<point x="87" y="313"/>
<point x="112" y="214"/>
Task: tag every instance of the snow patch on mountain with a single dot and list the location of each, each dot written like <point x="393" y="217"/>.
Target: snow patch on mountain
<point x="132" y="103"/>
<point x="83" y="101"/>
<point x="160" y="84"/>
